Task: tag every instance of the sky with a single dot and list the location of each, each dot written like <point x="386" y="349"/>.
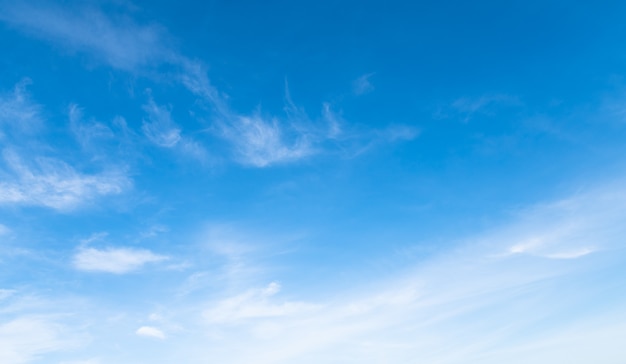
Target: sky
<point x="373" y="182"/>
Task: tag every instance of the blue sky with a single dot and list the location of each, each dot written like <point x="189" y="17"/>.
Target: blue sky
<point x="312" y="182"/>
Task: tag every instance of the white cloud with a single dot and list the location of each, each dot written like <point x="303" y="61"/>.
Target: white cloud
<point x="29" y="179"/>
<point x="25" y="339"/>
<point x="149" y="331"/>
<point x="234" y="254"/>
<point x="114" y="260"/>
<point x="476" y="303"/>
<point x="494" y="311"/>
<point x="261" y="143"/>
<point x="255" y="304"/>
<point x="571" y="228"/>
<point x="53" y="183"/>
<point x="118" y="41"/>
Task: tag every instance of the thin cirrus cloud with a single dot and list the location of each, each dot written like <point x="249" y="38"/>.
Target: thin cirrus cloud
<point x="571" y="228"/>
<point x="260" y="143"/>
<point x="52" y="183"/>
<point x="121" y="43"/>
<point x="255" y="304"/>
<point x="87" y="133"/>
<point x="114" y="260"/>
<point x="32" y="178"/>
<point x="26" y="338"/>
<point x="495" y="312"/>
<point x="255" y="140"/>
<point x="362" y="85"/>
<point x="18" y="112"/>
<point x="161" y="130"/>
<point x="467" y="108"/>
<point x="335" y="122"/>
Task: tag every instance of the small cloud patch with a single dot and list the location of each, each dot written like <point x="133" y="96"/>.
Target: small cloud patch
<point x="362" y="85"/>
<point x="149" y="331"/>
<point x="114" y="260"/>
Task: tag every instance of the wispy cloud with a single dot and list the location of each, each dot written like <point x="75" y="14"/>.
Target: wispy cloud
<point x="34" y="327"/>
<point x="18" y="112"/>
<point x="162" y="131"/>
<point x="159" y="128"/>
<point x="571" y="228"/>
<point x="114" y="260"/>
<point x="425" y="313"/>
<point x="119" y="42"/>
<point x="31" y="177"/>
<point x="87" y="133"/>
<point x="334" y="121"/>
<point x="53" y="183"/>
<point x="259" y="140"/>
<point x="260" y="143"/>
<point x="234" y="252"/>
<point x="256" y="140"/>
<point x="362" y="85"/>
<point x="467" y="108"/>
<point x="25" y="339"/>
<point x="496" y="311"/>
<point x="254" y="304"/>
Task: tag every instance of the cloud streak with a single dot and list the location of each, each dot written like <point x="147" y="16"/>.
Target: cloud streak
<point x="362" y="85"/>
<point x="119" y="42"/>
<point x="475" y="303"/>
<point x="24" y="339"/>
<point x="30" y="178"/>
<point x="254" y="304"/>
<point x="114" y="260"/>
<point x="467" y="108"/>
